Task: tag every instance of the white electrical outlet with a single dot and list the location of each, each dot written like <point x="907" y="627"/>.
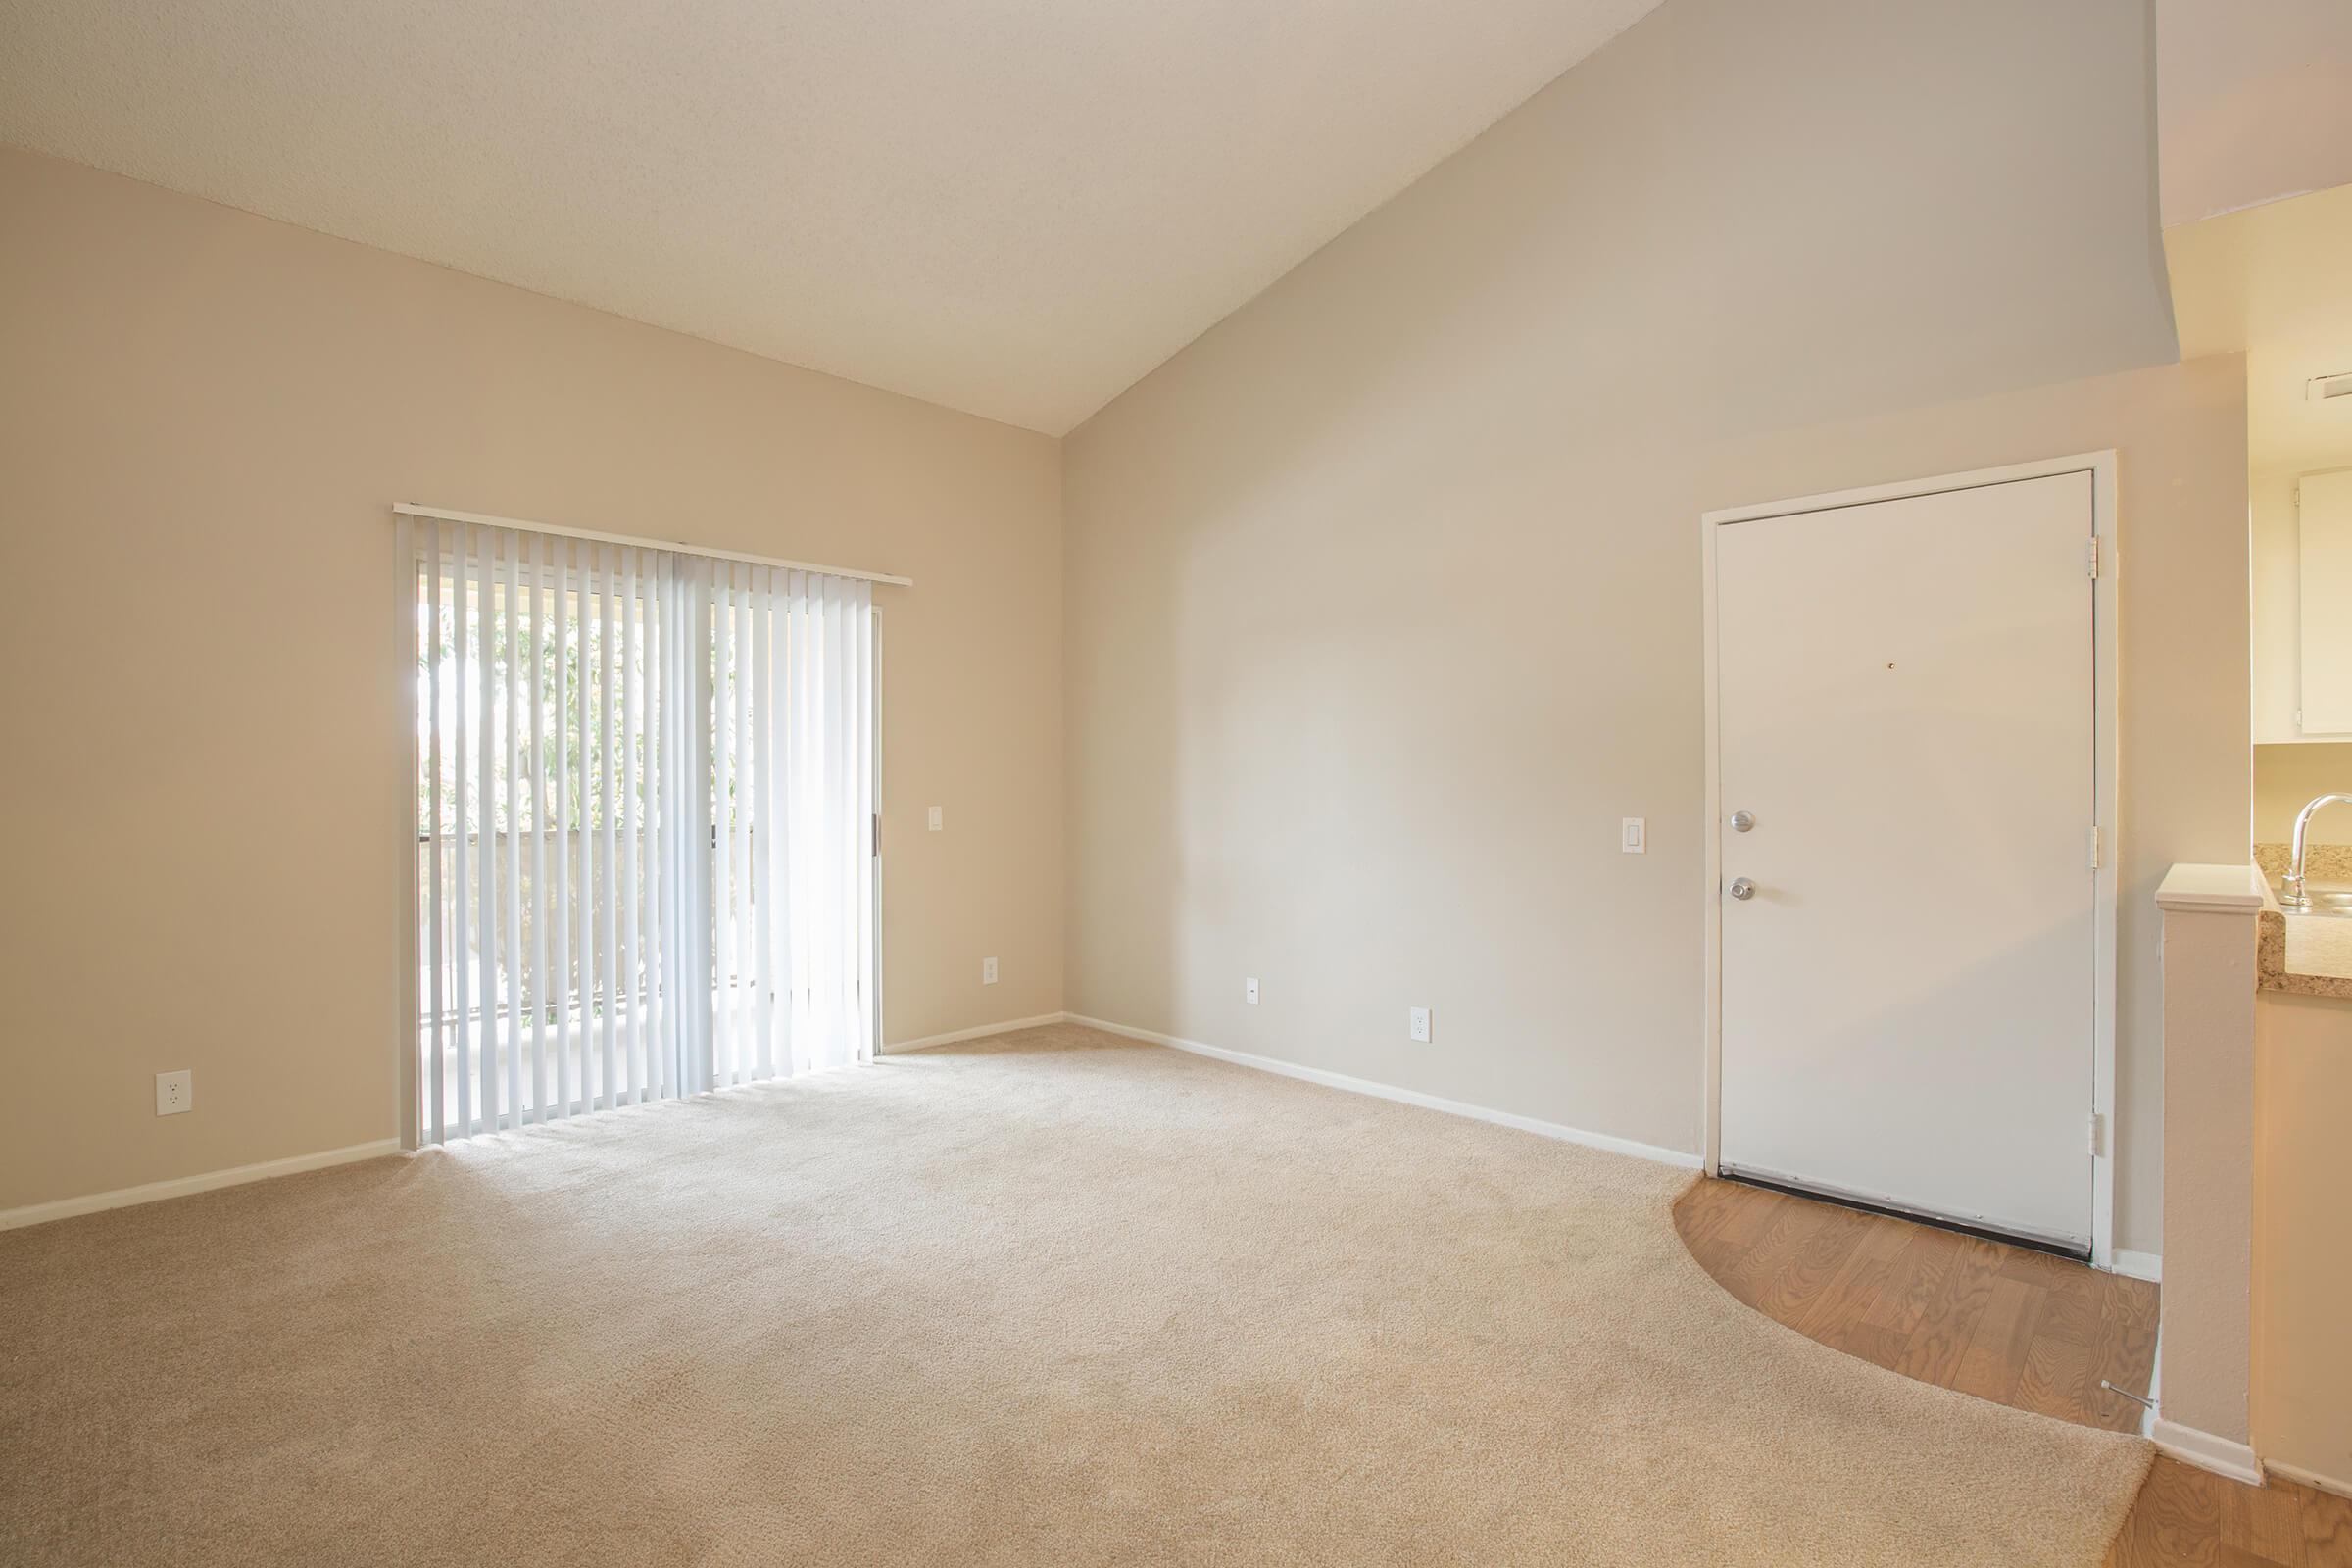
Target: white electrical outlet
<point x="1420" y="1025"/>
<point x="1250" y="991"/>
<point x="174" y="1091"/>
<point x="987" y="971"/>
<point x="938" y="819"/>
<point x="1633" y="835"/>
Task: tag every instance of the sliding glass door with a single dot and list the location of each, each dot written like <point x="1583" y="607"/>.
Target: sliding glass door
<point x="643" y="826"/>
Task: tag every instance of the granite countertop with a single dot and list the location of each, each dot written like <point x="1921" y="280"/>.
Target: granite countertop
<point x="2309" y="954"/>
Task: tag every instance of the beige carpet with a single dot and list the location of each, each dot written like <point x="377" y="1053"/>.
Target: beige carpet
<point x="1055" y="1299"/>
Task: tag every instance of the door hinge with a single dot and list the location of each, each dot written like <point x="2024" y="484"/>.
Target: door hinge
<point x="877" y="833"/>
<point x="2094" y="555"/>
<point x="2098" y="1129"/>
<point x="2094" y="846"/>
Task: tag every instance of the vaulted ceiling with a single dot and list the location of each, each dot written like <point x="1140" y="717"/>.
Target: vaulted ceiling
<point x="1011" y="207"/>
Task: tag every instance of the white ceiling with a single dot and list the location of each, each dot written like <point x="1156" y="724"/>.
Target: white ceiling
<point x="2273" y="281"/>
<point x="1013" y="207"/>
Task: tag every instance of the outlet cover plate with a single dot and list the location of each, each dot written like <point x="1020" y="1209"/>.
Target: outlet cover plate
<point x="175" y="1092"/>
<point x="1418" y="1022"/>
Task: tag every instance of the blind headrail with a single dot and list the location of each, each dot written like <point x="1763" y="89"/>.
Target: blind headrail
<point x="484" y="520"/>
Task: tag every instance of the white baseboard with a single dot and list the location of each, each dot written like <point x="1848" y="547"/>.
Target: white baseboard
<point x="182" y="1185"/>
<point x="2309" y="1478"/>
<point x="2139" y="1265"/>
<point x="1408" y="1096"/>
<point x="2223" y="1456"/>
<point x="975" y="1032"/>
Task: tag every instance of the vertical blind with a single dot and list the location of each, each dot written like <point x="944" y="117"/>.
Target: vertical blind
<point x="644" y="796"/>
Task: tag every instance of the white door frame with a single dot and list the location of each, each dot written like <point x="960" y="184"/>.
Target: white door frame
<point x="2101" y="466"/>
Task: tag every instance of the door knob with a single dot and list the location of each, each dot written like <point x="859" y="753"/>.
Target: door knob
<point x="1742" y="888"/>
<point x="1741" y="822"/>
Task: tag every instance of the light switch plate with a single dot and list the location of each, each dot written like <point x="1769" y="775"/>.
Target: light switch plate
<point x="174" y="1091"/>
<point x="1633" y="835"/>
<point x="1250" y="991"/>
<point x="939" y="820"/>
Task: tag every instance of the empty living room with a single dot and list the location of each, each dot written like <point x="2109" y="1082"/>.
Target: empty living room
<point x="1075" y="782"/>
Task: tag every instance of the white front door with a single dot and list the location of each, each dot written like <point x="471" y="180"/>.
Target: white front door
<point x="1905" y="717"/>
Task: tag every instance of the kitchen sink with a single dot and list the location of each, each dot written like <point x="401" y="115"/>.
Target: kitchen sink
<point x="2318" y="900"/>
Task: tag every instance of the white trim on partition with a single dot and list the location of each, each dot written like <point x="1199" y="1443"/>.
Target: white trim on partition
<point x="975" y="1032"/>
<point x="1406" y="1097"/>
<point x="2147" y="1266"/>
<point x="2223" y="1456"/>
<point x="185" y="1186"/>
<point x="2106" y="664"/>
<point x="2308" y="1478"/>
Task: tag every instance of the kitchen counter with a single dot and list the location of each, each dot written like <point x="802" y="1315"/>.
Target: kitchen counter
<point x="2307" y="955"/>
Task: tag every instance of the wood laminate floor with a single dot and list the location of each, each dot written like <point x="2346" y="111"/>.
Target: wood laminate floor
<point x="2009" y="1324"/>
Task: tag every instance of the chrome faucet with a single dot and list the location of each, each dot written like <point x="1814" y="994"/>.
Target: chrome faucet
<point x="2294" y="868"/>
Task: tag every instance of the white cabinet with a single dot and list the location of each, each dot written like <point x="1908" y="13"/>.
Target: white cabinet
<point x="2287" y="666"/>
<point x="2324" y="561"/>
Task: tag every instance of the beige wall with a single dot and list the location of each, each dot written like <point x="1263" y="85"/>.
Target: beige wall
<point x="2286" y="778"/>
<point x="1384" y="596"/>
<point x="2302" y="1237"/>
<point x="203" y="417"/>
<point x="2208" y="1005"/>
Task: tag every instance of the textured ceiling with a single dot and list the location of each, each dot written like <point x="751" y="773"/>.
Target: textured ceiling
<point x="1013" y="207"/>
